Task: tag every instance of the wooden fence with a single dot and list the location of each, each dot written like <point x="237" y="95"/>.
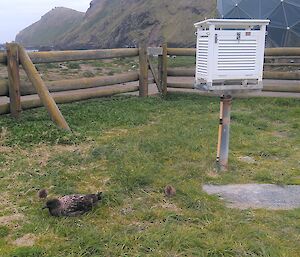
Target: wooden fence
<point x="270" y="53"/>
<point x="23" y="95"/>
<point x="38" y="93"/>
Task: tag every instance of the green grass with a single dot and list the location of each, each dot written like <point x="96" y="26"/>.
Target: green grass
<point x="73" y="65"/>
<point x="88" y="74"/>
<point x="182" y="61"/>
<point x="131" y="148"/>
<point x="87" y="69"/>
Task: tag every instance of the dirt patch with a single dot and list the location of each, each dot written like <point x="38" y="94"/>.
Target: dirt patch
<point x="87" y="67"/>
<point x="26" y="240"/>
<point x="247" y="159"/>
<point x="7" y="220"/>
<point x="167" y="205"/>
<point x="212" y="174"/>
<point x="257" y="196"/>
<point x="5" y="149"/>
<point x="280" y="134"/>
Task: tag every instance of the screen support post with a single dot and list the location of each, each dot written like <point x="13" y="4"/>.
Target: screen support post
<point x="224" y="129"/>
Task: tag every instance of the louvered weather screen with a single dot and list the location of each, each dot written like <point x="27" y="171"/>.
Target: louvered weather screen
<point x="230" y="54"/>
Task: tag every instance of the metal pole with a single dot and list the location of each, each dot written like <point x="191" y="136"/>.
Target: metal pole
<point x="220" y="130"/>
<point x="224" y="128"/>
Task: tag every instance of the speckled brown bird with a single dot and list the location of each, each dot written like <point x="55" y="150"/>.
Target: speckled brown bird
<point x="170" y="191"/>
<point x="72" y="205"/>
<point x="43" y="193"/>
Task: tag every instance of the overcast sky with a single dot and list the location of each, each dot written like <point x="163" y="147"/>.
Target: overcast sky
<point x="16" y="15"/>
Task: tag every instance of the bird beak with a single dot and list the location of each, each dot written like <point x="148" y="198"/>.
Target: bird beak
<point x="45" y="207"/>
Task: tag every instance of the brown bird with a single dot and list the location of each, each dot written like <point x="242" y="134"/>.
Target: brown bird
<point x="72" y="205"/>
<point x="170" y="191"/>
<point x="43" y="193"/>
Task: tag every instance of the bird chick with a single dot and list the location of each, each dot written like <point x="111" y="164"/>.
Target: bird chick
<point x="170" y="191"/>
<point x="72" y="205"/>
<point x="43" y="193"/>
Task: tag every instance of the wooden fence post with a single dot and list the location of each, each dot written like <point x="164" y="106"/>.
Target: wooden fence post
<point x="163" y="69"/>
<point x="42" y="90"/>
<point x="143" y="77"/>
<point x="14" y="79"/>
<point x="160" y="72"/>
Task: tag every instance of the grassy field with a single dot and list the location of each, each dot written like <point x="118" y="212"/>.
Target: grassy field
<point x="131" y="148"/>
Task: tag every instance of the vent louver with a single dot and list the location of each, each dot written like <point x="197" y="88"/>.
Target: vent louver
<point x="233" y="55"/>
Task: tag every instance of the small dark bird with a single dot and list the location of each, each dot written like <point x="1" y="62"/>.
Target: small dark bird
<point x="170" y="191"/>
<point x="43" y="193"/>
<point x="72" y="205"/>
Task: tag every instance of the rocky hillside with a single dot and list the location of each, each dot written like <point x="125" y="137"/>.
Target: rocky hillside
<point x="124" y="23"/>
<point x="50" y="28"/>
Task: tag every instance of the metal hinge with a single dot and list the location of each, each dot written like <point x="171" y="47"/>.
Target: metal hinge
<point x="216" y="38"/>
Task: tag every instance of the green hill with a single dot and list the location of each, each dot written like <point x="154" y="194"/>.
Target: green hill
<point x="50" y="27"/>
<point x="124" y="23"/>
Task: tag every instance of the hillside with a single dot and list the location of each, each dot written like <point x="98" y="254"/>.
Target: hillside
<point x="123" y="23"/>
<point x="50" y="27"/>
<point x="119" y="23"/>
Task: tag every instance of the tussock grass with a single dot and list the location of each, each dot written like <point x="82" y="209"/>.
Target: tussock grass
<point x="131" y="148"/>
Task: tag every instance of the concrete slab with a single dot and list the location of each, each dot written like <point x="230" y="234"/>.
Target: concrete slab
<point x="257" y="196"/>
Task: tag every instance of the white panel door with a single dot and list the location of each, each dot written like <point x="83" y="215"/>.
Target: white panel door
<point x="237" y="54"/>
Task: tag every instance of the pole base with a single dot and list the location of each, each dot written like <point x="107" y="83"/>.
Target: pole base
<point x="221" y="167"/>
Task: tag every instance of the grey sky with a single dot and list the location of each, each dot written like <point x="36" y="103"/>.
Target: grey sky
<point x="16" y="15"/>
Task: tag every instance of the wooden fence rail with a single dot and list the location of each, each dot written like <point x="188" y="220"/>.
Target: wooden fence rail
<point x="73" y="84"/>
<point x="79" y="55"/>
<point x="33" y="101"/>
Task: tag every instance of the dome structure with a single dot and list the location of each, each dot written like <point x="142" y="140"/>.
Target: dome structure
<point x="284" y="29"/>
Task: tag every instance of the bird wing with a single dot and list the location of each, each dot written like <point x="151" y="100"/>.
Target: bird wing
<point x="76" y="204"/>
